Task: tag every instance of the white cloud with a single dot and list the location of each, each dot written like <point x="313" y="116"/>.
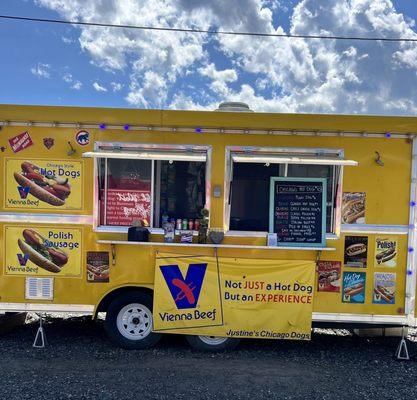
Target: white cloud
<point x="182" y="101"/>
<point x="295" y="75"/>
<point x="152" y="90"/>
<point x="77" y="85"/>
<point x="116" y="86"/>
<point x="98" y="87"/>
<point x="67" y="77"/>
<point x="220" y="79"/>
<point x="41" y="70"/>
<point x="67" y="40"/>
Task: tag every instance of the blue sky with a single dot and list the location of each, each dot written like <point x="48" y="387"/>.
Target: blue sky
<point x="62" y="65"/>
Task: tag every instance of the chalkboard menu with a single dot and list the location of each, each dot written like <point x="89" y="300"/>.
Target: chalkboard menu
<point x="297" y="211"/>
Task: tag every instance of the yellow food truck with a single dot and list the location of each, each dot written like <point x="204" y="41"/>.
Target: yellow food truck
<point x="217" y="225"/>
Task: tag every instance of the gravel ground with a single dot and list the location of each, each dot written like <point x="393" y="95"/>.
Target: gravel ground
<point x="80" y="363"/>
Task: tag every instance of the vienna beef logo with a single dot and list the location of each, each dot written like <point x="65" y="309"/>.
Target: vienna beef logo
<point x="23" y="191"/>
<point x="23" y="259"/>
<point x="185" y="292"/>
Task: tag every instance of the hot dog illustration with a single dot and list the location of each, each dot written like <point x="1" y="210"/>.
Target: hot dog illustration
<point x="99" y="273"/>
<point x="48" y="188"/>
<point x="352" y="210"/>
<point x="386" y="255"/>
<point x="384" y="293"/>
<point x="353" y="290"/>
<point x="328" y="276"/>
<point x="356" y="249"/>
<point x="47" y="257"/>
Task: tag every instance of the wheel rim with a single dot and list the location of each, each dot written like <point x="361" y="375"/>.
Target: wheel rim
<point x="134" y="321"/>
<point x="213" y="340"/>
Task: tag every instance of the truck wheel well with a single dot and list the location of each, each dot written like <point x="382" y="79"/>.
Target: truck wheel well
<point x="106" y="300"/>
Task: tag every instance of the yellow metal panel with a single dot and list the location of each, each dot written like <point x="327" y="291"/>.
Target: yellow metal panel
<point x="209" y="119"/>
<point x="387" y="188"/>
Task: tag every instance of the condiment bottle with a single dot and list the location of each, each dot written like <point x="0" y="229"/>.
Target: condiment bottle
<point x="197" y="224"/>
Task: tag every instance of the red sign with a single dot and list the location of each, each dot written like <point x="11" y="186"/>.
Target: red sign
<point x="328" y="276"/>
<point x="125" y="206"/>
<point x="20" y="142"/>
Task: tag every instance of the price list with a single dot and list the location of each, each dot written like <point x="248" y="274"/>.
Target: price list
<point x="298" y="209"/>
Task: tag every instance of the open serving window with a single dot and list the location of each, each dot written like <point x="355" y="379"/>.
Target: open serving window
<point x="149" y="183"/>
<point x="247" y="188"/>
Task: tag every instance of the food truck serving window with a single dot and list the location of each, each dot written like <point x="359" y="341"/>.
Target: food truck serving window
<point x="151" y="184"/>
<point x="250" y="173"/>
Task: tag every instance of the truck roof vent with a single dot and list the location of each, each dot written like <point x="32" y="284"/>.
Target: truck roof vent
<point x="233" y="106"/>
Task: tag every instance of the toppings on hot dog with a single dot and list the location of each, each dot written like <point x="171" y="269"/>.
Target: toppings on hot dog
<point x="384" y="293"/>
<point x="355" y="289"/>
<point x="99" y="273"/>
<point x="328" y="276"/>
<point x="353" y="210"/>
<point x="386" y="255"/>
<point x="49" y="188"/>
<point x="45" y="256"/>
<point x="356" y="249"/>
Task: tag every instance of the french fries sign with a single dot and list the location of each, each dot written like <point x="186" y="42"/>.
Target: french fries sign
<point x="52" y="185"/>
<point x="42" y="251"/>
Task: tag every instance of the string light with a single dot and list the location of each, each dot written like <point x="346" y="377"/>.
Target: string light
<point x="410" y="249"/>
<point x="190" y="129"/>
<point x="412" y="203"/>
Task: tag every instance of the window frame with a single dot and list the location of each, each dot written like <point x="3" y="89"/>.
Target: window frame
<point x="154" y="149"/>
<point x="307" y="152"/>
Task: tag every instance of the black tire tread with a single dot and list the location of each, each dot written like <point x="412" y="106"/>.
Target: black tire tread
<point x="196" y="343"/>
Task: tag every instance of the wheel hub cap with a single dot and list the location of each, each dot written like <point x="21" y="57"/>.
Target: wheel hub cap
<point x="134" y="321"/>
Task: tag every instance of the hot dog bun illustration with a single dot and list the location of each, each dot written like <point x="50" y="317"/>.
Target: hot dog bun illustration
<point x="34" y="246"/>
<point x="353" y="290"/>
<point x="352" y="211"/>
<point x="356" y="249"/>
<point x="98" y="273"/>
<point x="386" y="255"/>
<point x="50" y="188"/>
<point x="384" y="293"/>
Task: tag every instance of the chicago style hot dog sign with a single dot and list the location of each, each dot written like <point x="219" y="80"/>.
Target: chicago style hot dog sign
<point x="42" y="251"/>
<point x="43" y="184"/>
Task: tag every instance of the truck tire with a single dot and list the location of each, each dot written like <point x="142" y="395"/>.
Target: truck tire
<point x="129" y="321"/>
<point x="212" y="343"/>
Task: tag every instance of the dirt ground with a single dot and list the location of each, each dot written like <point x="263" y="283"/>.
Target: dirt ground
<point x="80" y="363"/>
